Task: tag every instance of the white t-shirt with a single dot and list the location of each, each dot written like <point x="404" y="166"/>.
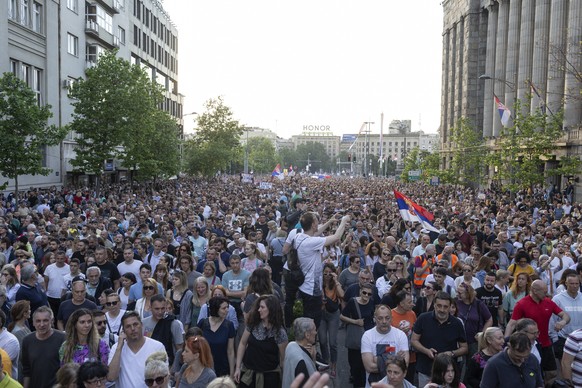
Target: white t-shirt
<point x="395" y="338"/>
<point x="475" y="283"/>
<point x="449" y="281"/>
<point x="567" y="262"/>
<point x="124" y="268"/>
<point x="309" y="250"/>
<point x="56" y="278"/>
<point x="114" y="323"/>
<point x="68" y="278"/>
<point x="132" y="365"/>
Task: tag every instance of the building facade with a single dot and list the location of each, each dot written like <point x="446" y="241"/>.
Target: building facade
<point x="513" y="49"/>
<point x="50" y="44"/>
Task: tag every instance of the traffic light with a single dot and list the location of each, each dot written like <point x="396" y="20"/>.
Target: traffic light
<point x="354" y="159"/>
<point x="349" y="157"/>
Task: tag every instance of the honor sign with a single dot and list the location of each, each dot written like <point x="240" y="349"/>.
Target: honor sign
<point x="317" y="130"/>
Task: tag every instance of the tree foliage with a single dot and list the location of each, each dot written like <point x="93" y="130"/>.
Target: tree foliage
<point x="468" y="163"/>
<point x="315" y="154"/>
<point x="522" y="149"/>
<point x="216" y="143"/>
<point x="262" y="155"/>
<point x="117" y="115"/>
<point x="25" y="130"/>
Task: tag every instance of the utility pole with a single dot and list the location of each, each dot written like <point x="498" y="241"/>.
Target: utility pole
<point x="367" y="146"/>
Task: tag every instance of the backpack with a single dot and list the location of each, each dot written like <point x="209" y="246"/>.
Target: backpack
<point x="295" y="274"/>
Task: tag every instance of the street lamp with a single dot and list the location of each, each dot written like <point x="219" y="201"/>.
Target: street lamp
<point x="308" y="161"/>
<point x="507" y="83"/>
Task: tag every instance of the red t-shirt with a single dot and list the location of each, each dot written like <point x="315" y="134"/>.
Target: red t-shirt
<point x="539" y="312"/>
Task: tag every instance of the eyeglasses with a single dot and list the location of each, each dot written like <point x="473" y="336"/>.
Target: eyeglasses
<point x="385" y="253"/>
<point x="97" y="381"/>
<point x="5" y="274"/>
<point x="427" y="288"/>
<point x="109" y="304"/>
<point x="533" y="333"/>
<point x="357" y="262"/>
<point x="100" y="323"/>
<point x="467" y="270"/>
<point x="399" y="263"/>
<point x="158" y="380"/>
<point x="391" y="270"/>
<point x="366" y="293"/>
<point x="148" y="288"/>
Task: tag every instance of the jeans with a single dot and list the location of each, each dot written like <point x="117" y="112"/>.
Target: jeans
<point x="327" y="334"/>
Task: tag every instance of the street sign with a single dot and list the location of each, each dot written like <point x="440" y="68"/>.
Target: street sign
<point x="414" y="175"/>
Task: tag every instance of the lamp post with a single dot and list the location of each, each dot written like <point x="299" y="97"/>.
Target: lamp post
<point x="308" y="161"/>
<point x="507" y="83"/>
<point x="367" y="147"/>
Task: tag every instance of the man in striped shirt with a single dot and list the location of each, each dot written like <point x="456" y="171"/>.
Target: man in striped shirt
<point x="572" y="358"/>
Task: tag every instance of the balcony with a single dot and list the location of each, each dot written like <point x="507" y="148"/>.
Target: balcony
<point x="91" y="27"/>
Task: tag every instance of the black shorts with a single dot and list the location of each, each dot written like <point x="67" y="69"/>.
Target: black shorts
<point x="559" y="347"/>
<point x="548" y="359"/>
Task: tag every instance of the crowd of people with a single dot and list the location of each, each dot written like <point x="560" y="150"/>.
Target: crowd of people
<point x="219" y="283"/>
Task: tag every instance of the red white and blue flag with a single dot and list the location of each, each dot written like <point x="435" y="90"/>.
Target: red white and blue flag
<point x="277" y="172"/>
<point x="504" y="112"/>
<point x="411" y="211"/>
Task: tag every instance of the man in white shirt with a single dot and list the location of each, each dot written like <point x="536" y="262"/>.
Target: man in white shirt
<point x="128" y="356"/>
<point x="382" y="341"/>
<point x="129" y="264"/>
<point x="54" y="280"/>
<point x="309" y="248"/>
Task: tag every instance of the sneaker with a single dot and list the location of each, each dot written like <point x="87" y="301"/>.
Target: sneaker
<point x="320" y="362"/>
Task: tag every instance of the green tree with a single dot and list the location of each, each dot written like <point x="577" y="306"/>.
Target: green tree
<point x="468" y="161"/>
<point x="117" y="115"/>
<point x="25" y="130"/>
<point x="314" y="153"/>
<point x="411" y="163"/>
<point x="522" y="149"/>
<point x="216" y="143"/>
<point x="158" y="152"/>
<point x="262" y="156"/>
<point x="287" y="157"/>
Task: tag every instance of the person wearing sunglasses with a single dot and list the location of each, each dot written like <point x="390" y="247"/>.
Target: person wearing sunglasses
<point x="143" y="305"/>
<point x="157" y="372"/>
<point x="114" y="313"/>
<point x="358" y="316"/>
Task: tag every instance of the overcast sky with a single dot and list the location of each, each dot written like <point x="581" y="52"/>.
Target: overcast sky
<point x="282" y="65"/>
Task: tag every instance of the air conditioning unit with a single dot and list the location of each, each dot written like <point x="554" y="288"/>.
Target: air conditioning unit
<point x="67" y="83"/>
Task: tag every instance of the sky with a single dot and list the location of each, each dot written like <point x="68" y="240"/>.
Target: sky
<point x="282" y="65"/>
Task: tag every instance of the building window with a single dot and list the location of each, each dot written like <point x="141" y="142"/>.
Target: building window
<point x="121" y="34"/>
<point x="73" y="5"/>
<point x="36" y="85"/>
<point x="37" y="18"/>
<point x="24" y="12"/>
<point x="72" y="45"/>
<point x="104" y="20"/>
<point x="13" y="9"/>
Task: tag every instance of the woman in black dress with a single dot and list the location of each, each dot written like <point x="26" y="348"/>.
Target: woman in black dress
<point x="262" y="346"/>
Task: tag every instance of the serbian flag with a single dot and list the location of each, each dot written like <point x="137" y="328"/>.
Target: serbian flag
<point x="504" y="112"/>
<point x="277" y="172"/>
<point x="411" y="211"/>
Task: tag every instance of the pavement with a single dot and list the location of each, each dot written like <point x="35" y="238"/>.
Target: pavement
<point x="342" y="378"/>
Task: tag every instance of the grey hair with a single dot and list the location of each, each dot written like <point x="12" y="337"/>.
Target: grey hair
<point x="156" y="365"/>
<point x="27" y="273"/>
<point x="222" y="382"/>
<point x="301" y="326"/>
<point x="94" y="268"/>
<point x="523" y="324"/>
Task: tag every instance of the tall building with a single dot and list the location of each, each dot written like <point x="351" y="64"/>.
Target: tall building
<point x="503" y="48"/>
<point x="50" y="44"/>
